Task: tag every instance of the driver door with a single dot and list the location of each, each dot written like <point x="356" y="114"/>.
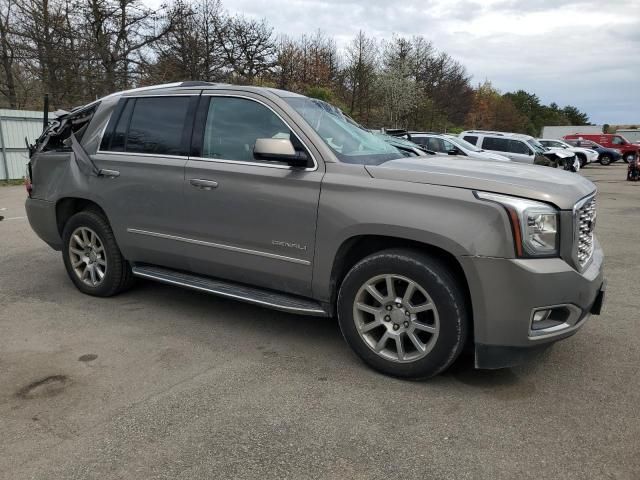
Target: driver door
<point x="247" y="220"/>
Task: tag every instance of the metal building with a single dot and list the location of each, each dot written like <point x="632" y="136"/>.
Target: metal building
<point x="15" y="125"/>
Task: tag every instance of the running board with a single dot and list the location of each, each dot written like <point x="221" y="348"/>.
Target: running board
<point x="244" y="293"/>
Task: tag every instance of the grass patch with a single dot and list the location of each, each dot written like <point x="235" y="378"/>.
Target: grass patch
<point x="9" y="183"/>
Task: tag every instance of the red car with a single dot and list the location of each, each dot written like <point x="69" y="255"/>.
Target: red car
<point x="628" y="150"/>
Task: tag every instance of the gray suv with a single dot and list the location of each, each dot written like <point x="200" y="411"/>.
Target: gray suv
<point x="276" y="199"/>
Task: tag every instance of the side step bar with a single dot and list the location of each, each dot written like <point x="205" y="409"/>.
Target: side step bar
<point x="237" y="291"/>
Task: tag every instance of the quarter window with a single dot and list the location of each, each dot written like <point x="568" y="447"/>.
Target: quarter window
<point x="471" y="139"/>
<point x="233" y="126"/>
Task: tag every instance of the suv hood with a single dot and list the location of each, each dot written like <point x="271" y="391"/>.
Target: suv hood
<point x="490" y="156"/>
<point x="561" y="188"/>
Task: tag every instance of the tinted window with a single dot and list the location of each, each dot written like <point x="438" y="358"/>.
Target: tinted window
<point x="234" y="124"/>
<point x="436" y="144"/>
<point x="419" y="140"/>
<point x="119" y="136"/>
<point x="156" y="126"/>
<point x="496" y="144"/>
<point x="516" y="146"/>
<point x="471" y="139"/>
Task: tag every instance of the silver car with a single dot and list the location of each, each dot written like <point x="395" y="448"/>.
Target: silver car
<point x="272" y="198"/>
<point x="455" y="146"/>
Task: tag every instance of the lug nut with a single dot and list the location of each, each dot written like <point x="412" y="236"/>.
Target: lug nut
<point x="387" y="318"/>
<point x="406" y="324"/>
<point x="398" y="305"/>
<point x="389" y="307"/>
<point x="396" y="326"/>
<point x="406" y="312"/>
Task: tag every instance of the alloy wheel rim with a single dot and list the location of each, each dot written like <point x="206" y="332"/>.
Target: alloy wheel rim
<point x="396" y="318"/>
<point x="87" y="255"/>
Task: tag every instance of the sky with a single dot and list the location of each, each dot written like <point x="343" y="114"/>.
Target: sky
<point x="584" y="53"/>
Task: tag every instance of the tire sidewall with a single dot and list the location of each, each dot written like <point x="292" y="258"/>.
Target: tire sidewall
<point x="112" y="254"/>
<point x="441" y="287"/>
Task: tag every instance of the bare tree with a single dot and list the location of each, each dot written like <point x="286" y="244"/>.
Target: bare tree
<point x="7" y="55"/>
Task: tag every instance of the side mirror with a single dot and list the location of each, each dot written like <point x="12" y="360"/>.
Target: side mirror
<point x="453" y="151"/>
<point x="279" y="150"/>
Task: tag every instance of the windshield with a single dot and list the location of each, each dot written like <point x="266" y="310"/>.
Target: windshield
<point x="537" y="146"/>
<point x="348" y="141"/>
<point x="464" y="144"/>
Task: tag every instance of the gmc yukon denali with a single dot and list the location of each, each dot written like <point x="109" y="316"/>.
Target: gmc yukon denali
<point x="276" y="199"/>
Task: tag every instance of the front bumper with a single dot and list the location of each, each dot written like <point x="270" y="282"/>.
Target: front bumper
<point x="505" y="294"/>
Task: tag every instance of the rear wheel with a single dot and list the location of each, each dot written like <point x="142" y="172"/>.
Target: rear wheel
<point x="605" y="159"/>
<point x="92" y="257"/>
<point x="403" y="313"/>
<point x="629" y="157"/>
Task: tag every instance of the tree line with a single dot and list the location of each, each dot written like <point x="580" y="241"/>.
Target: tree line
<point x="79" y="50"/>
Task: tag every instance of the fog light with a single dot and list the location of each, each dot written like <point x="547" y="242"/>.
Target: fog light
<point x="540" y="316"/>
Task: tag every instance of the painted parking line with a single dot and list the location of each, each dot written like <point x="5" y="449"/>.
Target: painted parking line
<point x="13" y="218"/>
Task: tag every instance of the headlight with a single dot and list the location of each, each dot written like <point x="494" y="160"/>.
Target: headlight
<point x="534" y="224"/>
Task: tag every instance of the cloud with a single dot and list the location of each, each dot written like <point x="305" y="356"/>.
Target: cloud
<point x="580" y="52"/>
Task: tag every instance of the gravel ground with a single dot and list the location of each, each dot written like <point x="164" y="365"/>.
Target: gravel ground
<point x="167" y="383"/>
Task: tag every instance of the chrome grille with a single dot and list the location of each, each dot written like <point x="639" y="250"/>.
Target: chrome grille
<point x="585" y="214"/>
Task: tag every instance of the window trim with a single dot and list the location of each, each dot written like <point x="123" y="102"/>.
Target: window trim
<point x="248" y="163"/>
<point x="119" y="109"/>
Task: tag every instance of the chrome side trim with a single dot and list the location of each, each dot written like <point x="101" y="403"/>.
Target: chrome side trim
<point x="220" y="246"/>
<point x="135" y="154"/>
<point x="244" y="298"/>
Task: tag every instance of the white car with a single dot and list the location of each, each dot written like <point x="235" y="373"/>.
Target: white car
<point x="443" y="143"/>
<point x="585" y="155"/>
<point x="518" y="147"/>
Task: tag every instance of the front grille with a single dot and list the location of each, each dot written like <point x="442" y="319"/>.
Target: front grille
<point x="585" y="214"/>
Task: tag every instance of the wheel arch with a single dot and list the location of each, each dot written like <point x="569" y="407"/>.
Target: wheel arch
<point x="68" y="206"/>
<point x="357" y="247"/>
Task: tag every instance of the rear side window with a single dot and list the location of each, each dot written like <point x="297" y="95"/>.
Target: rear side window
<point x="419" y="140"/>
<point x="153" y="125"/>
<point x="471" y="139"/>
<point x="496" y="144"/>
<point x="233" y="126"/>
<point x="156" y="126"/>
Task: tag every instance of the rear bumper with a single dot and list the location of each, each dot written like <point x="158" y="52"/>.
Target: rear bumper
<point x="507" y="293"/>
<point x="42" y="218"/>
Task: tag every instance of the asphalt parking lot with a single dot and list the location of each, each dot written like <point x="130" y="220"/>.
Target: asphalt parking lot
<point x="167" y="383"/>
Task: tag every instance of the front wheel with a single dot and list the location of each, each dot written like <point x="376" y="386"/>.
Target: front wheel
<point x="403" y="313"/>
<point x="629" y="157"/>
<point x="605" y="159"/>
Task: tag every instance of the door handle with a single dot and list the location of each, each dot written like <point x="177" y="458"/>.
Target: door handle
<point x="103" y="172"/>
<point x="203" y="184"/>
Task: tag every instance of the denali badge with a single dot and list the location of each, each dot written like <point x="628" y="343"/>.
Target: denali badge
<point x="282" y="243"/>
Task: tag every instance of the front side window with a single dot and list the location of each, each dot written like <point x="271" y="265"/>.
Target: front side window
<point x="156" y="126"/>
<point x="233" y="126"/>
<point x="618" y="141"/>
<point x="516" y="146"/>
<point x="496" y="144"/>
<point x="436" y="144"/>
<point x="349" y="142"/>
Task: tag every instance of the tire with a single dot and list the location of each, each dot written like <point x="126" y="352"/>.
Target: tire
<point x="605" y="159"/>
<point x="629" y="157"/>
<point x="89" y="244"/>
<point x="437" y="303"/>
<point x="583" y="160"/>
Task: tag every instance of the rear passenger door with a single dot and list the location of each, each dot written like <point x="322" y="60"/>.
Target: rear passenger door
<point x="249" y="221"/>
<point x="146" y="144"/>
